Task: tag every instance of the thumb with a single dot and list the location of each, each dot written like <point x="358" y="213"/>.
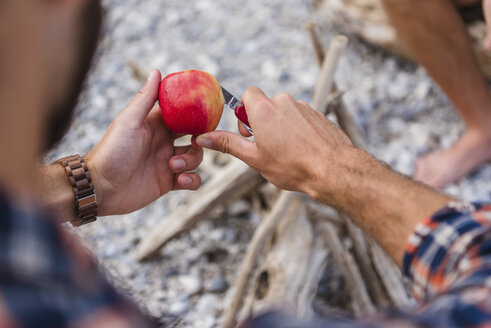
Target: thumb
<point x="137" y="111"/>
<point x="229" y="143"/>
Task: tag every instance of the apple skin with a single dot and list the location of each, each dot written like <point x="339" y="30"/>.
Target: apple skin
<point x="191" y="102"/>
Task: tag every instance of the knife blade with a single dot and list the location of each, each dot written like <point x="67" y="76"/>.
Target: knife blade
<point x="238" y="107"/>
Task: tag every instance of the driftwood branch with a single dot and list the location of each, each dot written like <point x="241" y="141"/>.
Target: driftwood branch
<point x="316" y="43"/>
<point x="240" y="179"/>
<point x="390" y="275"/>
<point x="260" y="237"/>
<point x="325" y="82"/>
<point x="346" y="120"/>
<point x="137" y="72"/>
<point x="317" y="263"/>
<point x="362" y="255"/>
<point x="348" y="124"/>
<point x="292" y="267"/>
<point x="356" y="285"/>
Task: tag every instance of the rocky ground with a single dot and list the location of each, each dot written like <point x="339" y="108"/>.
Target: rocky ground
<point x="402" y="113"/>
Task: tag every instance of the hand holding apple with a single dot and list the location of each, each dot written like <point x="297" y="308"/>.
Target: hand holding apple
<point x="136" y="162"/>
<point x="191" y="102"/>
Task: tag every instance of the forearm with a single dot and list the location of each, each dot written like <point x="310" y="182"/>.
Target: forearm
<point x="55" y="191"/>
<point x="386" y="205"/>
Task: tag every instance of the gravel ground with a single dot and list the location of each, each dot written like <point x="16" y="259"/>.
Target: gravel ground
<point x="402" y="113"/>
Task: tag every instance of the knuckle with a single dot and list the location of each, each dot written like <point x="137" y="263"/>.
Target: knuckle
<point x="254" y="162"/>
<point x="140" y="93"/>
<point x="224" y="145"/>
<point x="264" y="104"/>
<point x="249" y="92"/>
<point x="284" y="97"/>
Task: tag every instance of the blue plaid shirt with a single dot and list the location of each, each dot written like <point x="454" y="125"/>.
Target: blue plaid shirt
<point x="48" y="280"/>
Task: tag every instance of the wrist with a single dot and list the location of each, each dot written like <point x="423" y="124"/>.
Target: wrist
<point x="336" y="175"/>
<point x="98" y="184"/>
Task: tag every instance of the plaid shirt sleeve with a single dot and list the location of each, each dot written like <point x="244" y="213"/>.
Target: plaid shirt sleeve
<point x="448" y="263"/>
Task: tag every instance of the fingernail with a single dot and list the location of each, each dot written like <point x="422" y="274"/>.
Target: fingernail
<point x="178" y="164"/>
<point x="203" y="141"/>
<point x="185" y="180"/>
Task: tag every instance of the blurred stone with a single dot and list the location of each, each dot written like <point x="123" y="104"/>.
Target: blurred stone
<point x="238" y="208"/>
<point x="217" y="285"/>
<point x="422" y="90"/>
<point x="191" y="284"/>
<point x="230" y="235"/>
<point x="178" y="308"/>
<point x="270" y="70"/>
<point x="170" y="272"/>
<point x="206" y="305"/>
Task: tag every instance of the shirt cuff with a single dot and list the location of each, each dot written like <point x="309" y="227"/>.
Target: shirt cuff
<point x="437" y="253"/>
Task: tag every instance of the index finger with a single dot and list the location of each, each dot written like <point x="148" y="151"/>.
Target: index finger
<point x="243" y="130"/>
<point x="252" y="98"/>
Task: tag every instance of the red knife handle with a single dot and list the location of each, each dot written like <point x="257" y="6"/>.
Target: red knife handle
<point x="241" y="114"/>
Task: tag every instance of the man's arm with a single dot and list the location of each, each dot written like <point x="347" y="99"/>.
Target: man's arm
<point x="385" y="204"/>
<point x="133" y="165"/>
<point x="297" y="148"/>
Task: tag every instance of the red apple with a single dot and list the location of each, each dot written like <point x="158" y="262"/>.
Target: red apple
<point x="191" y="102"/>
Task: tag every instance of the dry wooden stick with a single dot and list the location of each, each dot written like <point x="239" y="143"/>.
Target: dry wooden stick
<point x="360" y="247"/>
<point x="261" y="235"/>
<point x="348" y="124"/>
<point x="325" y="82"/>
<point x="356" y="284"/>
<point x="234" y="181"/>
<point x="316" y="43"/>
<point x="317" y="263"/>
<point x="137" y="72"/>
<point x="361" y="250"/>
<point x="292" y="266"/>
<point x="346" y="121"/>
<point x="390" y="274"/>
